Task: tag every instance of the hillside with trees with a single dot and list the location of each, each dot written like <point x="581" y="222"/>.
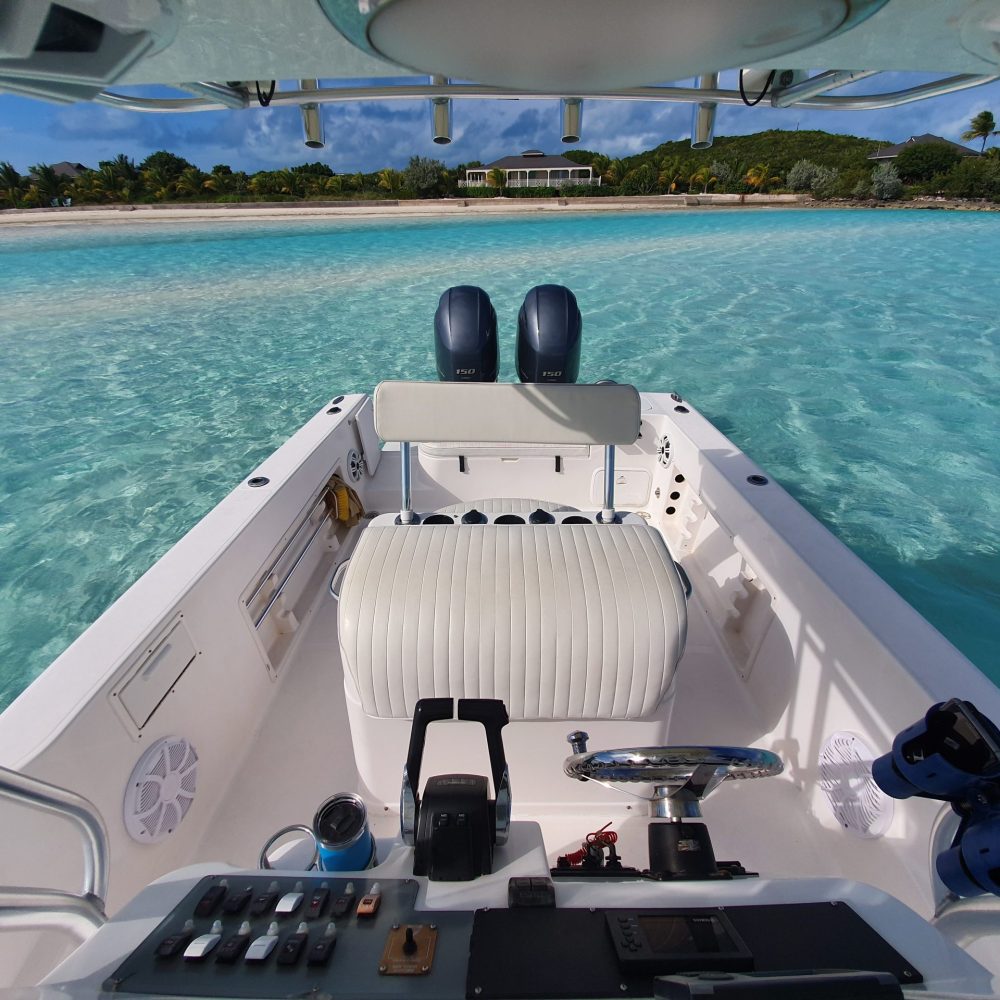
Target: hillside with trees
<point x="825" y="165"/>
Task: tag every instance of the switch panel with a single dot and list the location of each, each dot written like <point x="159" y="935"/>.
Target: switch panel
<point x="255" y="936"/>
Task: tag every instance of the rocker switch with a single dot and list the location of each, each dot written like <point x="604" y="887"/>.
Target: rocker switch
<point x="206" y="906"/>
<point x="262" y="947"/>
<point x="200" y="948"/>
<point x="289" y="903"/>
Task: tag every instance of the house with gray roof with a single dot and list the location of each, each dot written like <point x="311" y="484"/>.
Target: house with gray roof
<point x="886" y="153"/>
<point x="532" y="169"/>
<point x="69" y="170"/>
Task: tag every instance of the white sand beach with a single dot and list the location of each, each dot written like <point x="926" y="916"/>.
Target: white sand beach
<point x="383" y="209"/>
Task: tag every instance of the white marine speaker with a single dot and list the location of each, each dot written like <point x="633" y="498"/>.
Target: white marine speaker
<point x="160" y="790"/>
<point x="845" y="774"/>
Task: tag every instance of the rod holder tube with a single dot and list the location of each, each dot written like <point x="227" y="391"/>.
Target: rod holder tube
<point x="608" y="513"/>
<point x="572" y="119"/>
<point x="440" y="114"/>
<point x="312" y="118"/>
<point x="703" y="115"/>
<point x="51" y="798"/>
<point x="406" y="505"/>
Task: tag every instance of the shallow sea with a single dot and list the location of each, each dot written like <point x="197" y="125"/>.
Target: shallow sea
<point x="144" y="369"/>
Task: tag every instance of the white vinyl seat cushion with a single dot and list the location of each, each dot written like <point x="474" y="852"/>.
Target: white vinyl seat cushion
<point x="502" y="505"/>
<point x="558" y="621"/>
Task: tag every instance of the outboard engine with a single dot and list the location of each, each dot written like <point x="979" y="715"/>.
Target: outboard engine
<point x="465" y="336"/>
<point x="548" y="335"/>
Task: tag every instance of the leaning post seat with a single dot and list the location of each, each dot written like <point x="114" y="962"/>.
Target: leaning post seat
<point x="560" y="621"/>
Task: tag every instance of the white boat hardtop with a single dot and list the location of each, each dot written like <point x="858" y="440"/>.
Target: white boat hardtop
<point x="486" y="690"/>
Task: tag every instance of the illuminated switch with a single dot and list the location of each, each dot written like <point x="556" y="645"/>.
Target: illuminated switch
<point x="290" y="902"/>
<point x="262" y="947"/>
<point x="200" y="948"/>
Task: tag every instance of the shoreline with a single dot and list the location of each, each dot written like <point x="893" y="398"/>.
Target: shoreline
<point x="445" y="207"/>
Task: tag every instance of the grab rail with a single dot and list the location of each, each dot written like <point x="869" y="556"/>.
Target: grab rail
<point x="51" y="798"/>
<point x="50" y="909"/>
<point x="325" y="520"/>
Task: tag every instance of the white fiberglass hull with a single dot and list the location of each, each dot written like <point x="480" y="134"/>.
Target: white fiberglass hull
<point x="791" y="639"/>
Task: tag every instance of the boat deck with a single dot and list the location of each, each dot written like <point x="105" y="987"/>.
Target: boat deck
<point x="304" y="752"/>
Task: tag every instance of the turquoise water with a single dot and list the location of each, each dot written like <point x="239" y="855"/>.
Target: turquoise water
<point x="145" y="369"/>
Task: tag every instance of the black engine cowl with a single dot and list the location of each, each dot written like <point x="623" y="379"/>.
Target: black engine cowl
<point x="465" y="336"/>
<point x="549" y="329"/>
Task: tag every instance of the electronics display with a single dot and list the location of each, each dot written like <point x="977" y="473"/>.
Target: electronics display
<point x="662" y="941"/>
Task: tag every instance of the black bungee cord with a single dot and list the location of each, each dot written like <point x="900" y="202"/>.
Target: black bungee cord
<point x="760" y="96"/>
<point x="265" y="101"/>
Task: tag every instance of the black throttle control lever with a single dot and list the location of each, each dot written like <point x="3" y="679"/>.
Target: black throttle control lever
<point x="454" y="825"/>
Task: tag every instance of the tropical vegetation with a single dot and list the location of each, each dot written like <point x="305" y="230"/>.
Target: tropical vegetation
<point x="825" y="165"/>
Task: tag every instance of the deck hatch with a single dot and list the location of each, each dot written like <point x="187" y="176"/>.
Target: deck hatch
<point x="157" y="671"/>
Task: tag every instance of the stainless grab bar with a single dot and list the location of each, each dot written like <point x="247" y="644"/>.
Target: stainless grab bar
<point x="51" y="798"/>
<point x="318" y="505"/>
<point x="325" y="520"/>
<point x="49" y="909"/>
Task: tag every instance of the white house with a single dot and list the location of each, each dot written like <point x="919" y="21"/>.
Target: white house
<point x="532" y="169"/>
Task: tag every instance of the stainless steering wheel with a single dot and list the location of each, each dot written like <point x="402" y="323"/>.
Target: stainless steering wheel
<point x="681" y="776"/>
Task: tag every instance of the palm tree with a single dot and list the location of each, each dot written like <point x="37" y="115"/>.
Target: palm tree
<point x="191" y="182"/>
<point x="118" y="179"/>
<point x="390" y="180"/>
<point x="703" y="175"/>
<point x="159" y="181"/>
<point x="12" y="184"/>
<point x="599" y="164"/>
<point x="498" y="179"/>
<point x="615" y="172"/>
<point x="47" y="184"/>
<point x="759" y="177"/>
<point x="671" y="171"/>
<point x="981" y="127"/>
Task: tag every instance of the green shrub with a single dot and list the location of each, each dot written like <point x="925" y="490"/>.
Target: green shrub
<point x="974" y="177"/>
<point x="886" y="184"/>
<point x="824" y="182"/>
<point x="921" y="161"/>
<point x="802" y="175"/>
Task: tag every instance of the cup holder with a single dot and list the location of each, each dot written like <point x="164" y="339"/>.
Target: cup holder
<point x="577" y="519"/>
<point x="509" y="519"/>
<point x="439" y="519"/>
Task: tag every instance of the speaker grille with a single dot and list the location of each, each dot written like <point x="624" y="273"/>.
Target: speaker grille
<point x="160" y="790"/>
<point x="845" y="774"/>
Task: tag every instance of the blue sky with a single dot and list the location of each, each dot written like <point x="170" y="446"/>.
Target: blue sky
<point x="370" y="136"/>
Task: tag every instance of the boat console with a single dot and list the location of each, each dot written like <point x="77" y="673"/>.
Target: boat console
<point x="242" y="934"/>
<point x="464" y="905"/>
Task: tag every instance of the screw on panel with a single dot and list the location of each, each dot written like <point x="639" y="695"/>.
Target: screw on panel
<point x="477" y="990"/>
<point x="424" y="968"/>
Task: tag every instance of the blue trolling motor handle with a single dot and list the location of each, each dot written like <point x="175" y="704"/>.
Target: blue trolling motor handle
<point x="953" y="755"/>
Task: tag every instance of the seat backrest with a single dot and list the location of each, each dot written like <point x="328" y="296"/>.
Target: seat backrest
<point x="496" y="412"/>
